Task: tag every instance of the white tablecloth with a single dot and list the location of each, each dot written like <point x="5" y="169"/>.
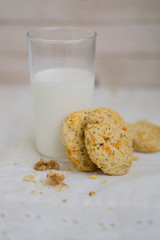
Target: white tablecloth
<point x="125" y="207"/>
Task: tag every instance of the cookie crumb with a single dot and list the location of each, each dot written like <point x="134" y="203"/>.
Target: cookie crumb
<point x="104" y="181"/>
<point x="60" y="189"/>
<point x="35" y="172"/>
<point x="104" y="228"/>
<point x="93" y="176"/>
<point x="64" y="200"/>
<point x="29" y="178"/>
<point x="136" y="158"/>
<point x="55" y="178"/>
<point x="15" y="164"/>
<point x="92" y="193"/>
<point x="43" y="184"/>
<point x="64" y="185"/>
<point x="42" y="165"/>
<point x="33" y="191"/>
<point x="110" y="208"/>
<point x="27" y="161"/>
<point x="70" y="170"/>
<point x="5" y="233"/>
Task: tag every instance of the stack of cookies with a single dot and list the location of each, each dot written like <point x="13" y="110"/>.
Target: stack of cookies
<point x="98" y="139"/>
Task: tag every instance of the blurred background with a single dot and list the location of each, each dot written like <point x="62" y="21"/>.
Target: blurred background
<point x="128" y="43"/>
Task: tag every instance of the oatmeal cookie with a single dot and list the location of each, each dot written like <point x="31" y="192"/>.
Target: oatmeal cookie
<point x="145" y="136"/>
<point x="107" y="141"/>
<point x="73" y="139"/>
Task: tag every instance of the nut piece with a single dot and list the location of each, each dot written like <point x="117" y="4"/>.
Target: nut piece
<point x="55" y="178"/>
<point x="92" y="193"/>
<point x="42" y="165"/>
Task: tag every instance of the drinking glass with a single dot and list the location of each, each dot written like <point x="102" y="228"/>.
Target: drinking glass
<point x="62" y="81"/>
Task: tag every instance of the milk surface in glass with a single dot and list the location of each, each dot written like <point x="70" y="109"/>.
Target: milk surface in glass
<point x="57" y="93"/>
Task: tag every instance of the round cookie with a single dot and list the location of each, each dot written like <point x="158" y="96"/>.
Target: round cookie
<point x="107" y="141"/>
<point x="145" y="136"/>
<point x="73" y="139"/>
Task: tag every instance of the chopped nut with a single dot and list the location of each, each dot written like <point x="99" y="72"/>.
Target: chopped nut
<point x="55" y="178"/>
<point x="93" y="176"/>
<point x="42" y="165"/>
<point x="29" y="178"/>
<point x="92" y="193"/>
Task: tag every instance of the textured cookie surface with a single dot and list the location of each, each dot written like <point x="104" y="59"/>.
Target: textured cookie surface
<point x="145" y="136"/>
<point x="107" y="141"/>
<point x="73" y="139"/>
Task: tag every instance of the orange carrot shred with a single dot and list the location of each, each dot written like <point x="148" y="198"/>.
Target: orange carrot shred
<point x="93" y="140"/>
<point x="108" y="149"/>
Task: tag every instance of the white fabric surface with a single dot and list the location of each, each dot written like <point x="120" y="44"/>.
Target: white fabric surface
<point x="126" y="207"/>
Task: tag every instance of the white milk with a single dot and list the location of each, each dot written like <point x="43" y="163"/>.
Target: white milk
<point x="57" y="93"/>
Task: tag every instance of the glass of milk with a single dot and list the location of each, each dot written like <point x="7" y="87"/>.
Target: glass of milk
<point x="62" y="80"/>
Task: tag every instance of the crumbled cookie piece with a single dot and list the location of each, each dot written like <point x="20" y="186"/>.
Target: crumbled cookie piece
<point x="145" y="136"/>
<point x="29" y="178"/>
<point x="42" y="181"/>
<point x="92" y="193"/>
<point x="110" y="208"/>
<point x="136" y="158"/>
<point x="55" y="178"/>
<point x="93" y="176"/>
<point x="5" y="233"/>
<point x="104" y="181"/>
<point x="42" y="165"/>
<point x="73" y="139"/>
<point x="107" y="142"/>
<point x="70" y="170"/>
